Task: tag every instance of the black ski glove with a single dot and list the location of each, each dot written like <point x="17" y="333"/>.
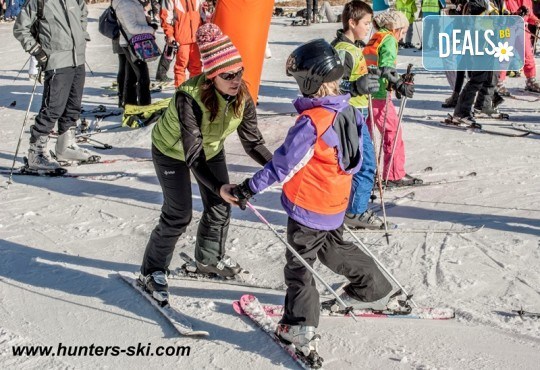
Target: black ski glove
<point x="522" y="11"/>
<point x="243" y="193"/>
<point x="368" y="83"/>
<point x="404" y="88"/>
<point x="38" y="53"/>
<point x="390" y="74"/>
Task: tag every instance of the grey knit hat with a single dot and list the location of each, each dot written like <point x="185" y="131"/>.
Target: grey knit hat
<point x="391" y="20"/>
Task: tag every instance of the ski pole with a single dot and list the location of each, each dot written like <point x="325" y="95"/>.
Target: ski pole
<point x="419" y="34"/>
<point x="378" y="178"/>
<point x="22" y="69"/>
<point x="303" y="261"/>
<point x="380" y="264"/>
<point x="22" y="130"/>
<point x="90" y="69"/>
<point x="394" y="144"/>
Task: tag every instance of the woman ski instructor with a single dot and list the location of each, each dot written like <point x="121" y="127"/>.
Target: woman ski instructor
<point x="190" y="135"/>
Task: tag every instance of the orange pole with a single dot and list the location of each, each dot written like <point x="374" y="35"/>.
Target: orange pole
<point x="247" y="23"/>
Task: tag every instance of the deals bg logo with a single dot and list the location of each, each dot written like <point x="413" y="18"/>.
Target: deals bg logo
<point x="473" y="43"/>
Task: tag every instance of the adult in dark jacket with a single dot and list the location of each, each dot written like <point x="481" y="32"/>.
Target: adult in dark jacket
<point x="190" y="136"/>
<point x="59" y="47"/>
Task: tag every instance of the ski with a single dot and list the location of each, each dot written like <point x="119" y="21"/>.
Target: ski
<point x="424" y="313"/>
<point x="395" y="202"/>
<point x="114" y="93"/>
<point x="520" y="98"/>
<point x="176" y="318"/>
<point x="527" y="127"/>
<point x="398" y="230"/>
<point x="432" y="183"/>
<point x="524" y="314"/>
<point x="476" y="127"/>
<point x="107" y="161"/>
<point x="498" y="117"/>
<point x="249" y="306"/>
<point x="62" y="172"/>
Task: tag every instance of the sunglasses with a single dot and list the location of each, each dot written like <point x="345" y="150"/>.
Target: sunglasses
<point x="229" y="76"/>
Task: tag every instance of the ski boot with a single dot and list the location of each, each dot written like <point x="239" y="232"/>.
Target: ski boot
<point x="156" y="285"/>
<point x="391" y="303"/>
<point x="39" y="160"/>
<point x="451" y="102"/>
<point x="305" y="341"/>
<point x="367" y="220"/>
<point x="407" y="180"/>
<point x="532" y="85"/>
<point x="226" y="268"/>
<point x="67" y="150"/>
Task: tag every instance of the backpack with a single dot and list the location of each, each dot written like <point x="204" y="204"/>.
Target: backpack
<point x="136" y="116"/>
<point x="108" y="24"/>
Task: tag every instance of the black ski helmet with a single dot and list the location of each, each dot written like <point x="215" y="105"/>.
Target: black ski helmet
<point x="313" y="63"/>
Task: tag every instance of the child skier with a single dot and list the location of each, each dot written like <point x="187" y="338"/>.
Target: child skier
<point x="382" y="51"/>
<point x="357" y="18"/>
<point x="316" y="162"/>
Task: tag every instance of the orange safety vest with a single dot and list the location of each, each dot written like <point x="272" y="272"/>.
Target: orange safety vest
<point x="371" y="51"/>
<point x="321" y="186"/>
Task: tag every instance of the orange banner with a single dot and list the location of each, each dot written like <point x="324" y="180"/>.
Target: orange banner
<point x="247" y="23"/>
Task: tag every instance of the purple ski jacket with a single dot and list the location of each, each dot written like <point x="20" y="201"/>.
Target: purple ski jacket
<point x="299" y="146"/>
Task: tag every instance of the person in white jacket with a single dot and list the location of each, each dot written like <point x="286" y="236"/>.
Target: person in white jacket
<point x="131" y="15"/>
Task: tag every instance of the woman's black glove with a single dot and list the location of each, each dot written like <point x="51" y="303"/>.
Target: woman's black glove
<point x="243" y="193"/>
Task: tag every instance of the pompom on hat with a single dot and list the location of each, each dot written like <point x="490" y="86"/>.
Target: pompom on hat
<point x="391" y="20"/>
<point x="218" y="53"/>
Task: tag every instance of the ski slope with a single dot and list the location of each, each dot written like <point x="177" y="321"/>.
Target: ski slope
<point x="63" y="240"/>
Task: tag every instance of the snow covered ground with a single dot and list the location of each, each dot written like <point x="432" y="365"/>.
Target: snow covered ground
<point x="62" y="240"/>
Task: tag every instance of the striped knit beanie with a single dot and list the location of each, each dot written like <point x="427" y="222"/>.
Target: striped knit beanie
<point x="218" y="54"/>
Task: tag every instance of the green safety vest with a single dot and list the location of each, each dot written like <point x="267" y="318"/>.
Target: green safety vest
<point x="166" y="134"/>
<point x="430" y="6"/>
<point x="359" y="69"/>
